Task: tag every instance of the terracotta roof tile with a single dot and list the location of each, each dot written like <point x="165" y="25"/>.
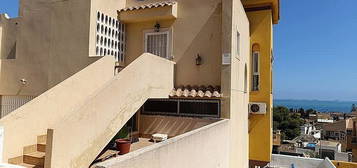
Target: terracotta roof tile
<point x="196" y="92"/>
<point x="148" y="6"/>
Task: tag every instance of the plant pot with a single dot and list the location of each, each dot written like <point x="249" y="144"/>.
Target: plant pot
<point x="123" y="146"/>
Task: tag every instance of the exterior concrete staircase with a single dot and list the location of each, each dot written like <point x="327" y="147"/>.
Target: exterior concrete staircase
<point x="83" y="113"/>
<point x="33" y="155"/>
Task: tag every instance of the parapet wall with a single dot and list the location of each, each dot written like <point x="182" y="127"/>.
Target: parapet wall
<point x="206" y="147"/>
<point x="22" y="126"/>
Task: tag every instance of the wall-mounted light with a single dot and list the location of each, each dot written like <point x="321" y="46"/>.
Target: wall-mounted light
<point x="198" y="60"/>
<point x="23" y="81"/>
<point x="157" y="27"/>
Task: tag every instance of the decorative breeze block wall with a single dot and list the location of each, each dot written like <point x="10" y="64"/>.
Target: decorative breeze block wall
<point x="110" y="37"/>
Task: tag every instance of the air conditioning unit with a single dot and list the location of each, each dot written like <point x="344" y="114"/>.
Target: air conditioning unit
<point x="257" y="108"/>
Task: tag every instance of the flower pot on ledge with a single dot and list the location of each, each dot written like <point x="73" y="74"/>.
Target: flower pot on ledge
<point x="123" y="146"/>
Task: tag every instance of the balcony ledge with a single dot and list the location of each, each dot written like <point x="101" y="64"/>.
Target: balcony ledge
<point x="150" y="12"/>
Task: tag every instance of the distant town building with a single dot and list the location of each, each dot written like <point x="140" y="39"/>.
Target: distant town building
<point x="325" y="120"/>
<point x="332" y="150"/>
<point x="310" y="129"/>
<point x="339" y="131"/>
<point x="276" y="141"/>
<point x="354" y="140"/>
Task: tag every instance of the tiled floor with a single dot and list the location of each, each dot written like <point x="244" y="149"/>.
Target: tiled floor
<point x="143" y="142"/>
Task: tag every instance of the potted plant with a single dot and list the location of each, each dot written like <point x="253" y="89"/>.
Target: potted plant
<point x="122" y="141"/>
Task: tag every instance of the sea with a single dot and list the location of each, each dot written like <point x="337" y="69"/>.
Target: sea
<point x="318" y="105"/>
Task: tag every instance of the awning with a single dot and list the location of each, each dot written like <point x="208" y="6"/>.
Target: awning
<point x="149" y="6"/>
<point x="165" y="10"/>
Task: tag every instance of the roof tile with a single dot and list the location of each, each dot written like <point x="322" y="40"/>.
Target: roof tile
<point x="148" y="6"/>
<point x="196" y="92"/>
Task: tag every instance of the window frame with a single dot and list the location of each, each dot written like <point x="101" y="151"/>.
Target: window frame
<point x="180" y="105"/>
<point x="246" y="78"/>
<point x="255" y="66"/>
<point x="238" y="45"/>
<point x="162" y="31"/>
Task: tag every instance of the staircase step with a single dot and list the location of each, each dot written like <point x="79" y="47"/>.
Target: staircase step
<point x="41" y="147"/>
<point x="42" y="139"/>
<point x="35" y="158"/>
<point x="30" y="165"/>
<point x="16" y="160"/>
<point x="29" y="149"/>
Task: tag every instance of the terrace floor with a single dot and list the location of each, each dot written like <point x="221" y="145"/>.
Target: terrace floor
<point x="142" y="143"/>
<point x="173" y="126"/>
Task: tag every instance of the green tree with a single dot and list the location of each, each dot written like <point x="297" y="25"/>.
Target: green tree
<point x="289" y="123"/>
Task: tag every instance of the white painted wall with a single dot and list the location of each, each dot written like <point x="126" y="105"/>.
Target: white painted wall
<point x="342" y="156"/>
<point x="336" y="148"/>
<point x="206" y="147"/>
<point x="285" y="161"/>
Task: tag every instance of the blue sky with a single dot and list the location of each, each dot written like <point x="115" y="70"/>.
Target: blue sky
<point x="314" y="50"/>
<point x="314" y="46"/>
<point x="10" y="7"/>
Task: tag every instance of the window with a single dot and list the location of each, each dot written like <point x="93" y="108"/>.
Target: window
<point x="245" y="78"/>
<point x="157" y="43"/>
<point x="182" y="107"/>
<point x="238" y="44"/>
<point x="255" y="69"/>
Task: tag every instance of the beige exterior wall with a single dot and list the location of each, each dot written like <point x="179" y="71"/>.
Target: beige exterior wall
<point x="68" y="39"/>
<point x="1" y="30"/>
<point x="22" y="126"/>
<point x="52" y="43"/>
<point x="56" y="39"/>
<point x="200" y="34"/>
<point x="204" y="147"/>
<point x="210" y="33"/>
<point x="8" y="30"/>
<point x="235" y="102"/>
<point x="102" y="115"/>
